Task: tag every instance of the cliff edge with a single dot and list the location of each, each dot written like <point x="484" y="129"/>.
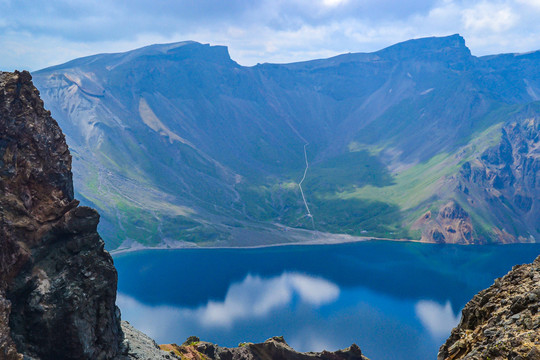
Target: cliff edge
<point x="501" y="322"/>
<point x="57" y="283"/>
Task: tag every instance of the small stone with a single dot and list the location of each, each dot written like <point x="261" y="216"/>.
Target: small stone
<point x="527" y="322"/>
<point x="534" y="354"/>
<point x="518" y="304"/>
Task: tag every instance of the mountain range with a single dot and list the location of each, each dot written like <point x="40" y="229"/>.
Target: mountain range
<point x="178" y="144"/>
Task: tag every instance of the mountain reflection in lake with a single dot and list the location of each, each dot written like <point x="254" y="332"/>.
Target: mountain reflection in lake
<point x="395" y="300"/>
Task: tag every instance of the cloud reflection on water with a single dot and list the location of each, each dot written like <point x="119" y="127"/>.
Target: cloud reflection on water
<point x="254" y="297"/>
<point x="438" y="319"/>
<point x="257" y="297"/>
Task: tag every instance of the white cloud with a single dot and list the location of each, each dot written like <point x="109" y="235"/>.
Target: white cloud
<point x="154" y="321"/>
<point x="491" y="17"/>
<point x="332" y="3"/>
<point x="36" y="35"/>
<point x="533" y="3"/>
<point x="438" y="319"/>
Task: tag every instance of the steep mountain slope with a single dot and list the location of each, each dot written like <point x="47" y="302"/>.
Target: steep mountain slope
<point x="178" y="143"/>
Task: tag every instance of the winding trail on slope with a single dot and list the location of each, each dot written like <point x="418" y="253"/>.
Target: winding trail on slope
<point x="302" y="190"/>
<point x="306" y="143"/>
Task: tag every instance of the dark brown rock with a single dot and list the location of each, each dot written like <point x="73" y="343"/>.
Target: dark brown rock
<point x="57" y="283"/>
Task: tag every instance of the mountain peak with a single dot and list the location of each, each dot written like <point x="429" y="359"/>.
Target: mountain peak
<point x="175" y="51"/>
<point x="192" y="49"/>
<point x="429" y="45"/>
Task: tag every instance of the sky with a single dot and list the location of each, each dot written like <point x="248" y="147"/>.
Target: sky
<point x="37" y="34"/>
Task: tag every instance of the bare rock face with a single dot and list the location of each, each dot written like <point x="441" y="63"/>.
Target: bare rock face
<point x="275" y="348"/>
<point x="57" y="283"/>
<point x="452" y="225"/>
<point x="500" y="189"/>
<point x="506" y="180"/>
<point x="501" y="322"/>
<point x="140" y="346"/>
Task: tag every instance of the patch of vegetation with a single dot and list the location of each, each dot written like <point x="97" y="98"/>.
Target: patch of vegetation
<point x="281" y="201"/>
<point x="352" y="169"/>
<point x="192" y="340"/>
<point x="410" y="187"/>
<point x="202" y="234"/>
<point x="359" y="217"/>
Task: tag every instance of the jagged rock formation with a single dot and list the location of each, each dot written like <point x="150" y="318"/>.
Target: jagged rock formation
<point x="452" y="225"/>
<point x="275" y="348"/>
<point x="57" y="284"/>
<point x="501" y="322"/>
<point x="499" y="187"/>
<point x="139" y="346"/>
<point x="505" y="179"/>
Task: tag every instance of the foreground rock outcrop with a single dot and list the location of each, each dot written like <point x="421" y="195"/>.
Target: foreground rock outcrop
<point x="139" y="346"/>
<point x="501" y="322"/>
<point x="275" y="348"/>
<point x="57" y="283"/>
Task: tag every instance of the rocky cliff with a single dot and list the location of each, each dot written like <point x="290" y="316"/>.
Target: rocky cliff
<point x="451" y="225"/>
<point x="57" y="283"/>
<point x="505" y="179"/>
<point x="501" y="322"/>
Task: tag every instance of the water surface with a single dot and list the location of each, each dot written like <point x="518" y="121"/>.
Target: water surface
<point x="395" y="300"/>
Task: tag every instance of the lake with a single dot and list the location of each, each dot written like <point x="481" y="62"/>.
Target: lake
<point x="395" y="300"/>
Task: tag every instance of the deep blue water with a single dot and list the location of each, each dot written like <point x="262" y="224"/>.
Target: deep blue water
<point x="395" y="300"/>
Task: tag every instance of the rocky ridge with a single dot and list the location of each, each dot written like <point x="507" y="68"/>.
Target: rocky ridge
<point x="57" y="283"/>
<point x="501" y="322"/>
<point x="274" y="348"/>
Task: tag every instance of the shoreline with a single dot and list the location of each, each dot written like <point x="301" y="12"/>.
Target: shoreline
<point x="349" y="239"/>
